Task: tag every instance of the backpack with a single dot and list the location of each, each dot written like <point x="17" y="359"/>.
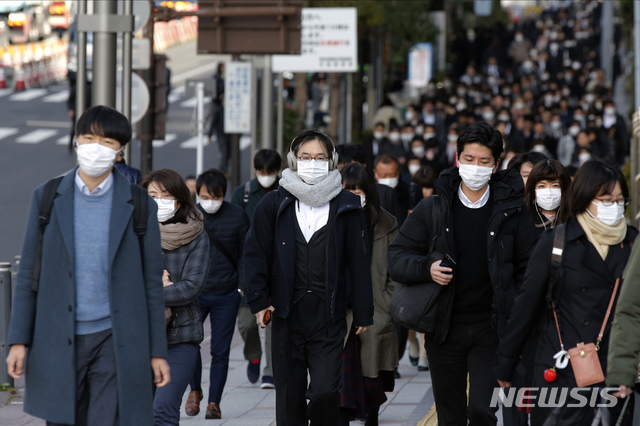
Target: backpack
<point x="140" y="205"/>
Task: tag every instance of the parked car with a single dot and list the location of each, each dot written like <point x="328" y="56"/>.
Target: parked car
<point x="27" y="20"/>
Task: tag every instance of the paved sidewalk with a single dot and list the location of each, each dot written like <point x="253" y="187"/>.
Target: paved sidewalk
<point x="245" y="404"/>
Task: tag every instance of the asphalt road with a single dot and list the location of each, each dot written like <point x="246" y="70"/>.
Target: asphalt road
<point x="34" y="134"/>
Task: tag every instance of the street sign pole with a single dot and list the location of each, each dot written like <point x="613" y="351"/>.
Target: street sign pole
<point x="126" y="73"/>
<point x="200" y="116"/>
<point x="147" y="124"/>
<point x="104" y="57"/>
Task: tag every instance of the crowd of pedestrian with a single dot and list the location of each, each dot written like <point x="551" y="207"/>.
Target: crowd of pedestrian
<point x="499" y="192"/>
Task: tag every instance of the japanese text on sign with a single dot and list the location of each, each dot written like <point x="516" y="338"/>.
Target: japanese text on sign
<point x="237" y="97"/>
<point x="329" y="42"/>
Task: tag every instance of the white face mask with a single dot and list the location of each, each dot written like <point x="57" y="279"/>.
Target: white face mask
<point x="418" y="151"/>
<point x="166" y="210"/>
<point x="609" y="215"/>
<point x="266" y="181"/>
<point x="312" y="172"/>
<point x="610" y="111"/>
<point x="548" y="198"/>
<point x="363" y="200"/>
<point x="584" y="157"/>
<point x="392" y="182"/>
<point x="419" y="130"/>
<point x="95" y="159"/>
<point x="429" y="135"/>
<point x="475" y="177"/>
<point x="413" y="168"/>
<point x="574" y="130"/>
<point x="211" y="206"/>
<point x="378" y="135"/>
<point x="407" y="137"/>
<point x="452" y="138"/>
<point x="394" y="137"/>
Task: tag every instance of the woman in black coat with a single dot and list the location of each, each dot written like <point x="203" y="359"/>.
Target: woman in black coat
<point x="185" y="248"/>
<point x="547" y="194"/>
<point x="596" y="249"/>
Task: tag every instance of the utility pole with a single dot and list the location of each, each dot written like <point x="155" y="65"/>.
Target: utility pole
<point x="104" y="55"/>
<point x="147" y="124"/>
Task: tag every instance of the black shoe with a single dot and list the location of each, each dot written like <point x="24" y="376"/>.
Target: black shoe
<point x="253" y="371"/>
<point x="413" y="360"/>
<point x="396" y="374"/>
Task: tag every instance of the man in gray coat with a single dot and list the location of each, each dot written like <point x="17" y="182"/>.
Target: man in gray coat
<point x="91" y="332"/>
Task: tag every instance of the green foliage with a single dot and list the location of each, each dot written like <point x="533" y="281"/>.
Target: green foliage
<point x="6" y="387"/>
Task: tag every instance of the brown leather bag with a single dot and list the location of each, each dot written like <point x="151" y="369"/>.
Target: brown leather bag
<point x="584" y="357"/>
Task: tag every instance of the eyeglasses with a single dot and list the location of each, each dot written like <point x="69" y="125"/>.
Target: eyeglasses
<point x="164" y="199"/>
<point x="608" y="203"/>
<point x="320" y="157"/>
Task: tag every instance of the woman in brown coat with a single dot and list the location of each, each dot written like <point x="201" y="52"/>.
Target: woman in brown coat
<point x="368" y="372"/>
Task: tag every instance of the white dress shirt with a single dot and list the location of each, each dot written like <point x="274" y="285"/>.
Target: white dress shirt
<point x="100" y="189"/>
<point x="470" y="204"/>
<point x="310" y="219"/>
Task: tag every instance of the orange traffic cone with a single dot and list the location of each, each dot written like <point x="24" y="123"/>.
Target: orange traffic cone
<point x="19" y="84"/>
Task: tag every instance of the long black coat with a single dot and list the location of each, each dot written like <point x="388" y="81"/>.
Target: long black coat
<point x="582" y="293"/>
<point x="270" y="258"/>
<point x="510" y="240"/>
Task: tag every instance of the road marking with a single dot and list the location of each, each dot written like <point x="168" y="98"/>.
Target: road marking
<point x="245" y="142"/>
<point x="36" y="136"/>
<point x="5" y="132"/>
<point x="57" y="97"/>
<point x="63" y="140"/>
<point x="58" y="124"/>
<point x="5" y="92"/>
<point x="191" y="102"/>
<point x="29" y="95"/>
<point x="192" y="143"/>
<point x="176" y="94"/>
<point x="168" y="138"/>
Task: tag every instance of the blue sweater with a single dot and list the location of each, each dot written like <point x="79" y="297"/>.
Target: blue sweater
<point x="91" y="239"/>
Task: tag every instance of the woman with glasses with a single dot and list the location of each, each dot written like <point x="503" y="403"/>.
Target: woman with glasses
<point x="185" y="248"/>
<point x="596" y="248"/>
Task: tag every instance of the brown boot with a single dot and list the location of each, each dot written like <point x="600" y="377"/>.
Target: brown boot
<point x="192" y="407"/>
<point x="213" y="411"/>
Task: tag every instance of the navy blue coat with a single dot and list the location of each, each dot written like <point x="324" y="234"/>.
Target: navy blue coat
<point x="45" y="321"/>
<point x="270" y="258"/>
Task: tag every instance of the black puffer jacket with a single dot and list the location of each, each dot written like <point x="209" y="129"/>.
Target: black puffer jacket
<point x="229" y="226"/>
<point x="188" y="266"/>
<point x="510" y="241"/>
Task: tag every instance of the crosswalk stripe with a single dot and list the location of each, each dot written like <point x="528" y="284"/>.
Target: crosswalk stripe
<point x="28" y="95"/>
<point x="57" y="97"/>
<point x="191" y="143"/>
<point x="37" y="136"/>
<point x="191" y="102"/>
<point x="168" y="138"/>
<point x="5" y="92"/>
<point x="5" y="132"/>
<point x="63" y="140"/>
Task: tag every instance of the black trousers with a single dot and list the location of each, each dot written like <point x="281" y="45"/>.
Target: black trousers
<point x="468" y="349"/>
<point x="307" y="342"/>
<point x="96" y="383"/>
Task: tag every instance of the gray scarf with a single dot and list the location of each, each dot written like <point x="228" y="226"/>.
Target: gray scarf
<point x="176" y="235"/>
<point x="312" y="195"/>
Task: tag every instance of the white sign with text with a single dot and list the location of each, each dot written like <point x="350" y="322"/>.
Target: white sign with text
<point x="237" y="97"/>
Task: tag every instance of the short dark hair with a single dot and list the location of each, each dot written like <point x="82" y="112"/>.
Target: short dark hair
<point x="104" y="121"/>
<point x="549" y="170"/>
<point x="187" y="177"/>
<point x="267" y="159"/>
<point x="532" y="157"/>
<point x="425" y="177"/>
<point x="350" y="152"/>
<point x="385" y="159"/>
<point x="354" y="176"/>
<point x="311" y="135"/>
<point x="593" y="178"/>
<point x="483" y="134"/>
<point x="173" y="183"/>
<point x="214" y="181"/>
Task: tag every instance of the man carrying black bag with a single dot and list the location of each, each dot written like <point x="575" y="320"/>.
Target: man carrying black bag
<point x="484" y="227"/>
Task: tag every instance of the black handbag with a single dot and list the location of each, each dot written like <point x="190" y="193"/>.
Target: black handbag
<point x="414" y="306"/>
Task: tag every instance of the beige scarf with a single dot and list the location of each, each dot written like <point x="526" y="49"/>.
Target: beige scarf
<point x="175" y="235"/>
<point x="600" y="235"/>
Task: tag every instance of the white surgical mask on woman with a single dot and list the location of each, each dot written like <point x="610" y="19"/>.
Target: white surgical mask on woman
<point x="548" y="198"/>
<point x="413" y="168"/>
<point x="211" y="206"/>
<point x="95" y="159"/>
<point x="609" y="215"/>
<point x="166" y="209"/>
<point x="475" y="177"/>
<point x="313" y="171"/>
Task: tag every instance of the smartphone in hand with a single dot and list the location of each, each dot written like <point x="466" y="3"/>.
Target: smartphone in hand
<point x="448" y="262"/>
<point x="266" y="319"/>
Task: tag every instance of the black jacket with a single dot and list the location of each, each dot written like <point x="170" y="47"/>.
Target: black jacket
<point x="188" y="266"/>
<point x="510" y="241"/>
<point x="229" y="226"/>
<point x="582" y="293"/>
<point x="270" y="258"/>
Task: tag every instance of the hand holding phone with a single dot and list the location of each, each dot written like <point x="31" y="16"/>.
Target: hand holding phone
<point x="266" y="319"/>
<point x="448" y="262"/>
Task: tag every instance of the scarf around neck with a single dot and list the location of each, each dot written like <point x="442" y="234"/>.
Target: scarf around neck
<point x="313" y="195"/>
<point x="600" y="235"/>
<point x="176" y="235"/>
